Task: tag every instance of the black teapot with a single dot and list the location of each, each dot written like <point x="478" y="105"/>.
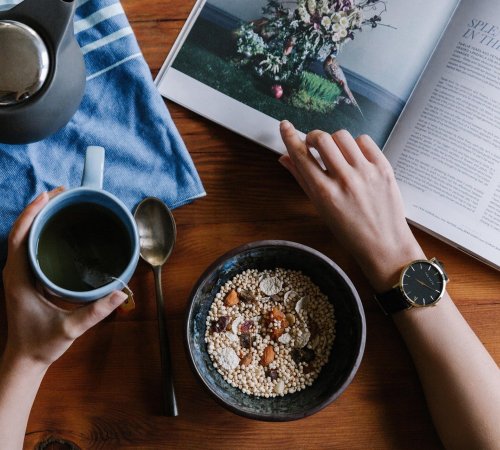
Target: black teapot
<point x="42" y="73"/>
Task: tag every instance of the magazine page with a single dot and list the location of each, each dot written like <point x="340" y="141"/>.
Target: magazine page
<point x="325" y="64"/>
<point x="446" y="148"/>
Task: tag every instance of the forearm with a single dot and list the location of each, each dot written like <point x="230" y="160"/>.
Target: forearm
<point x="19" y="383"/>
<point x="460" y="379"/>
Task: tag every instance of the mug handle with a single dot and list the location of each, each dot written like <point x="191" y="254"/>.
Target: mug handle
<point x="93" y="170"/>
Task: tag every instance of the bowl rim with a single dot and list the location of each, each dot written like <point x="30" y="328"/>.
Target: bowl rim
<point x="286" y="244"/>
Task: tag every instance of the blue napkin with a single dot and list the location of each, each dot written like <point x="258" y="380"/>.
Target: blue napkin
<point x="121" y="111"/>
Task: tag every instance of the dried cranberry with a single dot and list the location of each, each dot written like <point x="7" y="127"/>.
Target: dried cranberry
<point x="273" y="374"/>
<point x="220" y="324"/>
<point x="246" y="326"/>
<point x="296" y="355"/>
<point x="246" y="340"/>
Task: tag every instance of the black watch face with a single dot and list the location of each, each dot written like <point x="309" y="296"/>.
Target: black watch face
<point x="423" y="283"/>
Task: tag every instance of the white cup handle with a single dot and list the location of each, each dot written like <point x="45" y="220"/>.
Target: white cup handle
<point x="93" y="170"/>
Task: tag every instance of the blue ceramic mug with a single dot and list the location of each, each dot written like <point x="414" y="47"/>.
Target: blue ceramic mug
<point x="74" y="201"/>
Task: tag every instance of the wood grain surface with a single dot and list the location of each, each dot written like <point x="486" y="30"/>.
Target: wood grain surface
<point x="104" y="393"/>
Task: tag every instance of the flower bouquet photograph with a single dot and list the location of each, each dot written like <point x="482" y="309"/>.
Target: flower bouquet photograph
<point x="327" y="64"/>
<point x="282" y="47"/>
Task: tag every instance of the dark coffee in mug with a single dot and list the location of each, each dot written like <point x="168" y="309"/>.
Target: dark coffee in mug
<point x="83" y="246"/>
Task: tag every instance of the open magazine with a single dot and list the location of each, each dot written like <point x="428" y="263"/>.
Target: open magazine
<point x="421" y="77"/>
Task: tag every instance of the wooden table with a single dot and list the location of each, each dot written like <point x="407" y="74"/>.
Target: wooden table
<point x="105" y="392"/>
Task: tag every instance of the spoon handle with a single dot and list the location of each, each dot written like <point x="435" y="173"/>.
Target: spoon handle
<point x="169" y="401"/>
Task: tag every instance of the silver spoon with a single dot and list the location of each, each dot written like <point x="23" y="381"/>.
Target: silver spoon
<point x="157" y="232"/>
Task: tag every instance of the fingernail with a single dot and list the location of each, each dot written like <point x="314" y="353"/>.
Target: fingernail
<point x="118" y="298"/>
<point x="56" y="191"/>
<point x="285" y="125"/>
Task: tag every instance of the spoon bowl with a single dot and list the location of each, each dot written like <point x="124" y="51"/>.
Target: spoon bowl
<point x="157" y="230"/>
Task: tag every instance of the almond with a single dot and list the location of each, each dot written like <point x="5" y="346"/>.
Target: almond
<point x="246" y="360"/>
<point x="267" y="356"/>
<point x="231" y="298"/>
<point x="247" y="297"/>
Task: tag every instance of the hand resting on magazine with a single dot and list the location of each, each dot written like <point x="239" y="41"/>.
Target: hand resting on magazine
<point x="358" y="197"/>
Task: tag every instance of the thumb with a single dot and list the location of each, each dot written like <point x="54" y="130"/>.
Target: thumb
<point x="80" y="320"/>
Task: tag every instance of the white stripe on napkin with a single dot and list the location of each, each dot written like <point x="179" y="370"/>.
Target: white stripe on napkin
<point x="112" y="66"/>
<point x="107" y="40"/>
<point x="98" y="16"/>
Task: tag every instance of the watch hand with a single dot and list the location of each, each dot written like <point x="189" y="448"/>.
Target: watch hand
<point x="427" y="286"/>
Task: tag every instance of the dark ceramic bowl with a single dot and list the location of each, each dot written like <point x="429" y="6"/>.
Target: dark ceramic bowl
<point x="347" y="349"/>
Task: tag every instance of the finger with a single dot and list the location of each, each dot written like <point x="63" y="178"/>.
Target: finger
<point x="369" y="148"/>
<point x="56" y="191"/>
<point x="303" y="161"/>
<point x="349" y="147"/>
<point x="286" y="162"/>
<point x="81" y="319"/>
<point x="330" y="153"/>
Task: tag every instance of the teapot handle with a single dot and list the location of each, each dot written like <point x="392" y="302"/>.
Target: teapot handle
<point x="53" y="19"/>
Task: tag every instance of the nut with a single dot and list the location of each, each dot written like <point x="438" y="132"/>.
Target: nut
<point x="231" y="298"/>
<point x="277" y="314"/>
<point x="247" y="297"/>
<point x="246" y="360"/>
<point x="267" y="356"/>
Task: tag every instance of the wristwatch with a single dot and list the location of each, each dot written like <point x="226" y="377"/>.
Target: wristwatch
<point x="421" y="283"/>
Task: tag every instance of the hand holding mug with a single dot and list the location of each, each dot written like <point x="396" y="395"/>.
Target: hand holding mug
<point x="39" y="331"/>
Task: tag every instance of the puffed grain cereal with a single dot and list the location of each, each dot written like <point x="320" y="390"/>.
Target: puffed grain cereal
<point x="270" y="332"/>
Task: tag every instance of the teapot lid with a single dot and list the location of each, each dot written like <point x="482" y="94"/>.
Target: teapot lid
<point x="25" y="62"/>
